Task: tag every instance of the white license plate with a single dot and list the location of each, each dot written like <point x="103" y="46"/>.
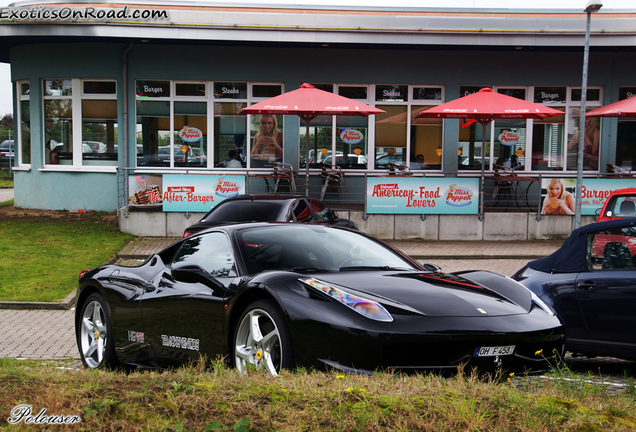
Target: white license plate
<point x="494" y="351"/>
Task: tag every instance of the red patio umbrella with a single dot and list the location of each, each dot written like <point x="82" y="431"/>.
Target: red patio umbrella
<point x="485" y="106"/>
<point x="308" y="102"/>
<point x="623" y="108"/>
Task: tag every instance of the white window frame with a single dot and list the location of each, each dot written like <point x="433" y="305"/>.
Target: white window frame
<point x="77" y="95"/>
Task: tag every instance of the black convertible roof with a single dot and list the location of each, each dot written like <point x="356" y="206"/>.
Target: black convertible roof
<point x="570" y="258"/>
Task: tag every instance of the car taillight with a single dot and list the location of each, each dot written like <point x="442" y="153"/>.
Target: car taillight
<point x="83" y="272"/>
<point x="186" y="234"/>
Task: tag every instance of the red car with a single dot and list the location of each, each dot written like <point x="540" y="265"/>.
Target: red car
<point x="620" y="204"/>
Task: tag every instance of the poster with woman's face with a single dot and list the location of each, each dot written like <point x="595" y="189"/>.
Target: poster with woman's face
<point x="267" y="139"/>
<point x="557" y="196"/>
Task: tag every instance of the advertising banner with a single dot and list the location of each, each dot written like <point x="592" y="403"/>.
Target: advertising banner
<point x="422" y="195"/>
<point x="199" y="193"/>
<point x="558" y="194"/>
<point x="145" y="191"/>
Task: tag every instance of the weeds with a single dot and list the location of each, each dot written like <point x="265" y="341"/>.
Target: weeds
<point x="196" y="398"/>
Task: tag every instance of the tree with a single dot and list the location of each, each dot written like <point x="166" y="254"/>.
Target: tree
<point x="7" y="122"/>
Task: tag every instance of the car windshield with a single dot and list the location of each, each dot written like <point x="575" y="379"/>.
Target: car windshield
<point x="244" y="211"/>
<point x="315" y="248"/>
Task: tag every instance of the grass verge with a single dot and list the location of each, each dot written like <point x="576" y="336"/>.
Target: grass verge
<point x="43" y="255"/>
<point x="195" y="398"/>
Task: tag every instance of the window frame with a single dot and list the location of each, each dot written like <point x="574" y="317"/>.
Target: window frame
<point x="76" y="98"/>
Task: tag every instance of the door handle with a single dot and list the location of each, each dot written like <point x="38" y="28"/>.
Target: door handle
<point x="586" y="285"/>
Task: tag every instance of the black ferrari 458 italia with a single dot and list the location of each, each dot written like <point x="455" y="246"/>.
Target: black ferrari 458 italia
<point x="277" y="295"/>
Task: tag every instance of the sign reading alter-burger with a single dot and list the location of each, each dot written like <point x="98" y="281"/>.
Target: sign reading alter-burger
<point x="199" y="193"/>
<point x="411" y="195"/>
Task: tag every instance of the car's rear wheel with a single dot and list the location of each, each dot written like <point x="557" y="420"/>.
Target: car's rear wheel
<point x="95" y="334"/>
<point x="262" y="339"/>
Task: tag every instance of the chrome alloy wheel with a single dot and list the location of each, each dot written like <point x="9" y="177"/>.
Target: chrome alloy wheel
<point x="93" y="334"/>
<point x="258" y="343"/>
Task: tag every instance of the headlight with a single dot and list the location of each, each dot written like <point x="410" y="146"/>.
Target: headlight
<point x="368" y="308"/>
<point x="536" y="300"/>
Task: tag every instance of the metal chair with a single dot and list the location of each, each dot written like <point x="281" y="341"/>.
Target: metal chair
<point x="398" y="169"/>
<point x="332" y="178"/>
<point x="284" y="175"/>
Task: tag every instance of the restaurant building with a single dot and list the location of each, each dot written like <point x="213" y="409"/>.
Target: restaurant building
<point x="113" y="101"/>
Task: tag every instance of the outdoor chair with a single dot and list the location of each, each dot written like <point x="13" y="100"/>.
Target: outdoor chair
<point x="284" y="176"/>
<point x="398" y="169"/>
<point x="332" y="178"/>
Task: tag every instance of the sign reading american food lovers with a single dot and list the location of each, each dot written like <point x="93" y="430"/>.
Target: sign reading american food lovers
<point x="411" y="195"/>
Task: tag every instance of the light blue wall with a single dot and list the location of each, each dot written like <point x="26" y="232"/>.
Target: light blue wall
<point x="291" y="66"/>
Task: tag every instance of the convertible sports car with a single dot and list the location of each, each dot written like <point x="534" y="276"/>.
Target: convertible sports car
<point x="277" y="295"/>
<point x="591" y="283"/>
<point x="269" y="208"/>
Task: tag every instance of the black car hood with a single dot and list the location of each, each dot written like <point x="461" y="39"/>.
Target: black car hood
<point x="477" y="293"/>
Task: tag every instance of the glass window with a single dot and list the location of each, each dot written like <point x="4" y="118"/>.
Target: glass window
<point x="626" y="135"/>
<point x="99" y="130"/>
<point x="320" y="141"/>
<point x="58" y="121"/>
<point x="591" y="141"/>
<point x="353" y="92"/>
<point x="25" y="131"/>
<point x="391" y="93"/>
<point x="426" y="140"/>
<point x="510" y="144"/>
<point x="230" y="90"/>
<point x="470" y="152"/>
<point x="190" y="134"/>
<point x="266" y="90"/>
<point x="153" y="89"/>
<point x="611" y="249"/>
<point x="427" y="93"/>
<point x="547" y="143"/>
<point x="100" y="87"/>
<point x="211" y="252"/>
<point x="190" y="89"/>
<point x="390" y="136"/>
<point x="351" y="142"/>
<point x="153" y="133"/>
<point x="322" y="211"/>
<point x="23" y="138"/>
<point x="301" y="211"/>
<point x="550" y="95"/>
<point x="58" y="87"/>
<point x="80" y="122"/>
<point x="230" y="134"/>
<point x="267" y="142"/>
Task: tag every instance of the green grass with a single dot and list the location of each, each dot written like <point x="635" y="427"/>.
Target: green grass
<point x="43" y="256"/>
<point x="6" y="180"/>
<point x="193" y="398"/>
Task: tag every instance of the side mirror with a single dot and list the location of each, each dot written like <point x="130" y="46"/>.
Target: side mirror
<point x="194" y="274"/>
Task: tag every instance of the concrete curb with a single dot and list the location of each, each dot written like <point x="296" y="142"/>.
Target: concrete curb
<point x="65" y="304"/>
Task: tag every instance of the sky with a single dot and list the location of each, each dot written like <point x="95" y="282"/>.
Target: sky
<point x="6" y="97"/>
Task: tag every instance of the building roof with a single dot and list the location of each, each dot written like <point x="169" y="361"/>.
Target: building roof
<point x="187" y="22"/>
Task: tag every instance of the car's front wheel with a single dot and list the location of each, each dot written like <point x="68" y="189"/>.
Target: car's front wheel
<point x="95" y="335"/>
<point x="262" y="339"/>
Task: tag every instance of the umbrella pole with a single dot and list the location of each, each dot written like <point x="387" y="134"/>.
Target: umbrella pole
<point x="483" y="161"/>
<point x="307" y="159"/>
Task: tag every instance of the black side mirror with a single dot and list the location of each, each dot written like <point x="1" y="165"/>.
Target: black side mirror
<point x="194" y="274"/>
